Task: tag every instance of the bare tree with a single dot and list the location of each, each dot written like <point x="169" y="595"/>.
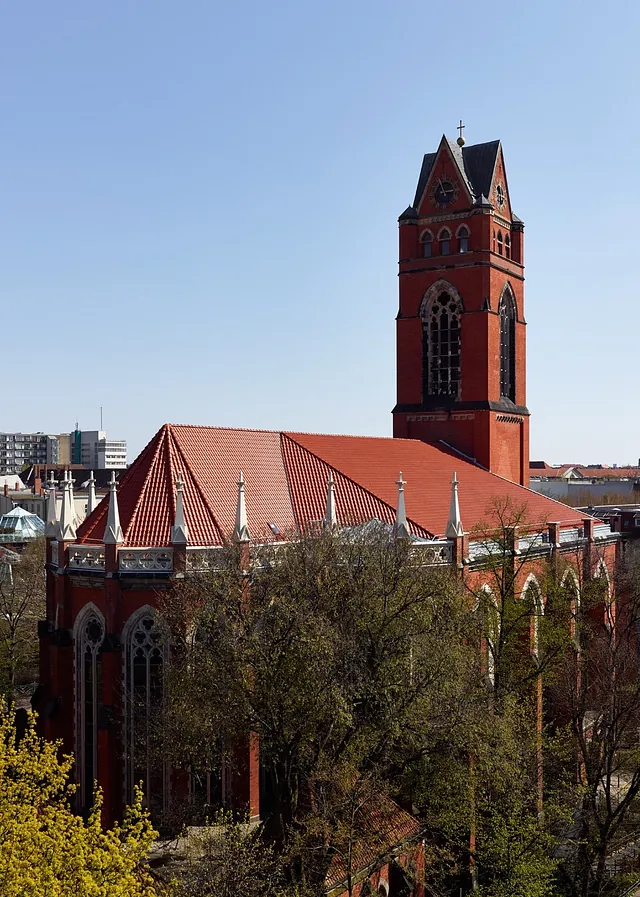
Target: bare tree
<point x="22" y="603"/>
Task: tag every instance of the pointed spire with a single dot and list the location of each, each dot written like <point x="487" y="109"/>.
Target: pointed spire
<point x="179" y="531"/>
<point x="91" y="498"/>
<point x="454" y="524"/>
<point x="241" y="532"/>
<point x="67" y="525"/>
<point x="113" y="532"/>
<point x="401" y="528"/>
<point x="330" y="519"/>
<point x="51" y="528"/>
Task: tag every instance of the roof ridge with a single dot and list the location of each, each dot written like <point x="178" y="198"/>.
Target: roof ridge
<point x="178" y="448"/>
<point x="162" y="433"/>
<point x="417" y="526"/>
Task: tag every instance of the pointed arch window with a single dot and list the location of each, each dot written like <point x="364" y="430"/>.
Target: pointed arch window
<point x="89" y="637"/>
<point x="427" y="243"/>
<point x="463" y="239"/>
<point x="145" y="645"/>
<point x="507" y="312"/>
<point x="441" y="345"/>
<point x="500" y="243"/>
<point x="445" y="241"/>
<point x="507" y="246"/>
<point x="533" y="600"/>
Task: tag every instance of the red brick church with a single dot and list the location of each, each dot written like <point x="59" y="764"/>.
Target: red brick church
<point x="460" y="439"/>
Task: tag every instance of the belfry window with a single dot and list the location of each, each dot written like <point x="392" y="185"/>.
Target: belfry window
<point x="463" y="239"/>
<point x="507" y="312"/>
<point x="427" y="241"/>
<point x="144" y="695"/>
<point x="507" y="246"/>
<point x="89" y="638"/>
<point x="500" y="243"/>
<point x="441" y="346"/>
<point x="445" y="241"/>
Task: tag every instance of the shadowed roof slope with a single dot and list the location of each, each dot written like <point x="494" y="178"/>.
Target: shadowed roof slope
<point x="286" y="485"/>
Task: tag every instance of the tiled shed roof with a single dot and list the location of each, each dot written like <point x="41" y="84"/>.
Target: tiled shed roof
<point x="286" y="484"/>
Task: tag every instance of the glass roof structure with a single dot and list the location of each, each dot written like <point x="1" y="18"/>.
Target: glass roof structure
<point x="20" y="526"/>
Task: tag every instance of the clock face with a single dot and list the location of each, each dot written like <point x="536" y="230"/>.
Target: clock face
<point x="500" y="195"/>
<point x="443" y="192"/>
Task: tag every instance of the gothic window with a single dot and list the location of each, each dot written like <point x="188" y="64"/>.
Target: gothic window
<point x="463" y="239"/>
<point x="500" y="243"/>
<point x="507" y="312"/>
<point x="490" y="625"/>
<point x="88" y="640"/>
<point x="144" y="693"/>
<point x="507" y="246"/>
<point x="445" y="241"/>
<point x="533" y="600"/>
<point x="427" y="240"/>
<point x="441" y="345"/>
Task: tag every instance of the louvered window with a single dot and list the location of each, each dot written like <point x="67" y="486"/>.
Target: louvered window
<point x="507" y="312"/>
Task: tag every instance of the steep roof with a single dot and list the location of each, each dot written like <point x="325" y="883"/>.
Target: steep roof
<point x="286" y="485"/>
<point x="476" y="164"/>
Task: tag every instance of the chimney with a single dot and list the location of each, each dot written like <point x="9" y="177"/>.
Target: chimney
<point x="6" y="490"/>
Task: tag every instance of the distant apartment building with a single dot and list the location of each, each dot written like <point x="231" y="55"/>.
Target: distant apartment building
<point x="92" y="449"/>
<point x="89" y="448"/>
<point x="18" y="450"/>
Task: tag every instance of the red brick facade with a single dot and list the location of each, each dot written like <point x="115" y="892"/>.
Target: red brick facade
<point x="479" y="421"/>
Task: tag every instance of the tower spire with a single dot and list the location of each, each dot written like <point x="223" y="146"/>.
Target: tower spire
<point x="401" y="528"/>
<point x="113" y="531"/>
<point x="454" y="524"/>
<point x="51" y="528"/>
<point x="67" y="525"/>
<point x="91" y="498"/>
<point x="241" y="531"/>
<point x="330" y="519"/>
<point x="179" y="531"/>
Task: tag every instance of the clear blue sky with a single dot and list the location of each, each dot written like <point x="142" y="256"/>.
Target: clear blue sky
<point x="198" y="206"/>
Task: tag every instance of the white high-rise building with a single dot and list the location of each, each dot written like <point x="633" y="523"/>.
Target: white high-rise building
<point x="93" y="449"/>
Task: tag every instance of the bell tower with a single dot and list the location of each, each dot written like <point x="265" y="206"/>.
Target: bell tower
<point x="461" y="332"/>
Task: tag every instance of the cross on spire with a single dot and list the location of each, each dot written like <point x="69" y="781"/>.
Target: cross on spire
<point x="461" y="128"/>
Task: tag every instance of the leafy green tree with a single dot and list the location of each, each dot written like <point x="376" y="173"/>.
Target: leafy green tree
<point x="345" y="656"/>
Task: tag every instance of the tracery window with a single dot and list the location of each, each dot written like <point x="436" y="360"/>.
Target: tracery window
<point x="427" y="242"/>
<point x="144" y="695"/>
<point x="507" y="312"/>
<point x="441" y="346"/>
<point x="463" y="239"/>
<point x="445" y="241"/>
<point x="533" y="599"/>
<point x="89" y="638"/>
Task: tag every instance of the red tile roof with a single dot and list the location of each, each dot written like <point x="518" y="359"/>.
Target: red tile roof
<point x="286" y="484"/>
<point x="382" y="826"/>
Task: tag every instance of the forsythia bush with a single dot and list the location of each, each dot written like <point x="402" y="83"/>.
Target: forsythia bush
<point x="48" y="851"/>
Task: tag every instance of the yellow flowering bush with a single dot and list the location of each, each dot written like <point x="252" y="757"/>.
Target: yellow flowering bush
<point x="48" y="851"/>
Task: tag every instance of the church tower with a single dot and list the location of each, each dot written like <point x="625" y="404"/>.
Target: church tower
<point x="461" y="342"/>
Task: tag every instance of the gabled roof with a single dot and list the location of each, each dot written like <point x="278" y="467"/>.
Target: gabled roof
<point x="476" y="163"/>
<point x="286" y="485"/>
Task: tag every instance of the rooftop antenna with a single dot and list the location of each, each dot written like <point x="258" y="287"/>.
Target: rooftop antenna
<point x="460" y="141"/>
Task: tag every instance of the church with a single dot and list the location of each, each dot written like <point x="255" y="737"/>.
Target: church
<point x="460" y="441"/>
